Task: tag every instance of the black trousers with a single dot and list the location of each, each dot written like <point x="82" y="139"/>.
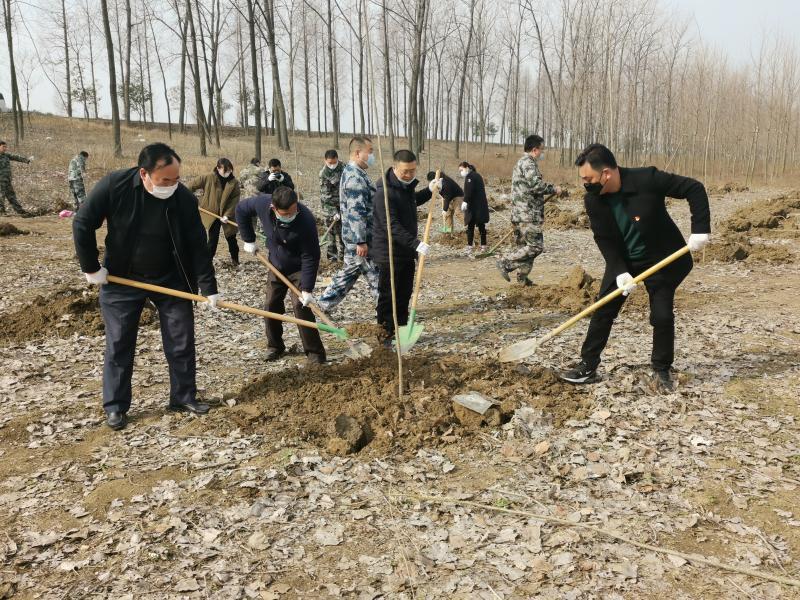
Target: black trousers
<point x="471" y="233"/>
<point x="662" y="318"/>
<point x="121" y="307"/>
<point x="276" y="295"/>
<point x="404" y="282"/>
<point x="213" y="239"/>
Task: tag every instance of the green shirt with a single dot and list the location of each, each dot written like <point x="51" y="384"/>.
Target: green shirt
<point x="634" y="246"/>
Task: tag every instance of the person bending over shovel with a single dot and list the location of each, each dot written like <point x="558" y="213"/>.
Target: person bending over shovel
<point x="155" y="236"/>
<point x="293" y="244"/>
<point x="633" y="231"/>
<point x="403" y="202"/>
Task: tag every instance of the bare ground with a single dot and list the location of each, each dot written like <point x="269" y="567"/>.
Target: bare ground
<point x="272" y="495"/>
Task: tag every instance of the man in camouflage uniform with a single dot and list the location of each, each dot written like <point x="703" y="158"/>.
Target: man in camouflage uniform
<point x="355" y="197"/>
<point x="249" y="176"/>
<point x="528" y="190"/>
<point x="6" y="188"/>
<point x="75" y="173"/>
<point x="329" y="178"/>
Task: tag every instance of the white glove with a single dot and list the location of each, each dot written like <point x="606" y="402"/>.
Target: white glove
<point x="624" y="282"/>
<point x="444" y="214"/>
<point x="213" y="299"/>
<point x="224" y="219"/>
<point x="98" y="278"/>
<point x="423" y="249"/>
<point x="337" y="217"/>
<point x="250" y="247"/>
<point x="273" y="176"/>
<point x="464" y="207"/>
<point x="697" y="241"/>
<point x="31" y="157"/>
<point x="306" y="298"/>
<point x="435" y="185"/>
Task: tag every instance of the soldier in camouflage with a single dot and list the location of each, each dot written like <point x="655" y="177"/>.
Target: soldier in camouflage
<point x="528" y="190"/>
<point x="6" y="188"/>
<point x="249" y="176"/>
<point x="355" y="199"/>
<point x="329" y="179"/>
<point x="75" y="173"/>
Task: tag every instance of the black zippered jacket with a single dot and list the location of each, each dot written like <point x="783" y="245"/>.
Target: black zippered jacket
<point x="403" y="202"/>
<point x="118" y="199"/>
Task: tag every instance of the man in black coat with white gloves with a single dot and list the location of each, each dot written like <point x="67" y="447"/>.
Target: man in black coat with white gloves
<point x="403" y="201"/>
<point x="633" y="230"/>
<point x="155" y="236"/>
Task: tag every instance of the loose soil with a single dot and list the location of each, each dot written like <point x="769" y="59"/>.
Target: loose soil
<point x="66" y="312"/>
<point x="736" y="248"/>
<point x="574" y="292"/>
<point x="773" y="213"/>
<point x="556" y="217"/>
<point x="353" y="406"/>
<point x="9" y="229"/>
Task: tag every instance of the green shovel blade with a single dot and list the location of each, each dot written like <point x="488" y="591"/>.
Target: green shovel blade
<point x="339" y="333"/>
<point x="445" y="230"/>
<point x="408" y="335"/>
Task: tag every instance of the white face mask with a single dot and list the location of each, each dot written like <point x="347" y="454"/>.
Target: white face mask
<point x="162" y="192"/>
<point x="464" y="172"/>
<point x="334" y="165"/>
<point x="223" y="172"/>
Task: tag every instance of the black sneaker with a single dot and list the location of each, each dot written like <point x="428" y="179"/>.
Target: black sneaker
<point x="662" y="380"/>
<point x="274" y="354"/>
<point x="502" y="269"/>
<point x="580" y="373"/>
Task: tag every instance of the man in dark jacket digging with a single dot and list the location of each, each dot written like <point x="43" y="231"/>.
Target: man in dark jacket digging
<point x="155" y="236"/>
<point x="403" y="201"/>
<point x="452" y="197"/>
<point x="293" y="245"/>
<point x="633" y="230"/>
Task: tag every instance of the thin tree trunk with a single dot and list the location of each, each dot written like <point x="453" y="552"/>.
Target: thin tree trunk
<point x="251" y="24"/>
<point x="112" y="80"/>
<point x="198" y="96"/>
<point x="66" y="59"/>
<point x="460" y="108"/>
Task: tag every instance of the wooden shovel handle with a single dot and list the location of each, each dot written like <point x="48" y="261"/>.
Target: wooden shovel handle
<point x="425" y="237"/>
<point x="222" y="304"/>
<point x="502" y="239"/>
<point x="216" y="216"/>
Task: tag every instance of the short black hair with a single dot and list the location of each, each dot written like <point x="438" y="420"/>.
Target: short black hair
<point x="533" y="141"/>
<point x="331" y="154"/>
<point x="152" y="154"/>
<point x="274" y="162"/>
<point x="283" y="197"/>
<point x="466" y="165"/>
<point x="84" y="154"/>
<point x="405" y="156"/>
<point x="255" y="161"/>
<point x="225" y="163"/>
<point x="2" y="143"/>
<point x="598" y="156"/>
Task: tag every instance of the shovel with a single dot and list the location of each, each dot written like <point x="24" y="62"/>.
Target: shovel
<point x="356" y="349"/>
<point x="408" y="334"/>
<point x="216" y="216"/>
<point x="324" y="241"/>
<point x="527" y="347"/>
<point x="339" y="333"/>
<point x="444" y="228"/>
<point x="496" y="246"/>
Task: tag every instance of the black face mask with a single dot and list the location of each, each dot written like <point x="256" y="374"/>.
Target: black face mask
<point x="593" y="188"/>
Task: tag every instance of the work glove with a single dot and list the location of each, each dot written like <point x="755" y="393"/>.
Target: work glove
<point x="435" y="185"/>
<point x="444" y="214"/>
<point x="557" y="190"/>
<point x="224" y="219"/>
<point x="273" y="177"/>
<point x="337" y="217"/>
<point x="213" y="299"/>
<point x="306" y="298"/>
<point x="464" y="207"/>
<point x="625" y="283"/>
<point x="98" y="278"/>
<point x="250" y="247"/>
<point x="30" y="158"/>
<point x="697" y="241"/>
<point x="423" y="249"/>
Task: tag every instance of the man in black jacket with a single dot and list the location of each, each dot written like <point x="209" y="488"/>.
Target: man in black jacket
<point x="403" y="201"/>
<point x="633" y="231"/>
<point x="293" y="245"/>
<point x="155" y="235"/>
<point x="452" y="197"/>
<point x="273" y="178"/>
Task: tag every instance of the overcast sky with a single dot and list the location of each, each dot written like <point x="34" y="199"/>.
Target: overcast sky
<point x="736" y="27"/>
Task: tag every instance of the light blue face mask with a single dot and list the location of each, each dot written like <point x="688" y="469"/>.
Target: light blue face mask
<point x="286" y="220"/>
<point x="370" y="160"/>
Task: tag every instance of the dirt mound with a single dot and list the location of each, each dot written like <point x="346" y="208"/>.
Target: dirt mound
<point x="576" y="291"/>
<point x="732" y="249"/>
<point x="8" y="229"/>
<point x="556" y="217"/>
<point x="726" y="188"/>
<point x="764" y="214"/>
<point x="60" y="314"/>
<point x="365" y="331"/>
<point x="353" y="406"/>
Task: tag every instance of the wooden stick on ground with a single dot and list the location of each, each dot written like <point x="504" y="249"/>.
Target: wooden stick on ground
<point x="693" y="558"/>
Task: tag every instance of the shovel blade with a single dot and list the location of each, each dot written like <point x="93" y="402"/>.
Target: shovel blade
<point x="358" y="350"/>
<point x="519" y="350"/>
<point x="408" y="335"/>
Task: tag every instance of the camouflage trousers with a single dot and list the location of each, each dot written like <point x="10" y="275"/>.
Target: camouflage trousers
<point x="335" y="243"/>
<point x="344" y="280"/>
<point x="529" y="242"/>
<point x="7" y="192"/>
<point x="78" y="192"/>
